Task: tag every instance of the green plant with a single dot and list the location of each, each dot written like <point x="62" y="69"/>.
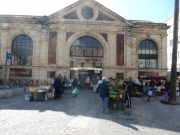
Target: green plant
<point x="117" y="81"/>
<point x="120" y="86"/>
<point x="133" y="94"/>
<point x="111" y="89"/>
<point x="134" y="90"/>
<point x="115" y="78"/>
<point x="116" y="89"/>
<point x="138" y="94"/>
<point x="110" y="78"/>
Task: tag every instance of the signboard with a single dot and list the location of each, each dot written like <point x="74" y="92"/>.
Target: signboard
<point x="9" y="57"/>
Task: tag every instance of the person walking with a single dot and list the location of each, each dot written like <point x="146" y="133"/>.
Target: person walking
<point x="103" y="89"/>
<point x="129" y="90"/>
<point x="64" y="80"/>
<point x="94" y="82"/>
<point x="150" y="94"/>
<point x="60" y="77"/>
<point x="57" y="86"/>
<point x="88" y="82"/>
<point x="74" y="84"/>
<point x="61" y="90"/>
<point x="81" y="79"/>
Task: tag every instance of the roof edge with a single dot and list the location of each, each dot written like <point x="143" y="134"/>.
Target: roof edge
<point x="169" y="18"/>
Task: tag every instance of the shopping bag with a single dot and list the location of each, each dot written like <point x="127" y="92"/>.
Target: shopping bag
<point x="54" y="94"/>
<point x="75" y="91"/>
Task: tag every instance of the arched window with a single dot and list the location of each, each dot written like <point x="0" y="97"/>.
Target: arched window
<point x="22" y="50"/>
<point x="86" y="52"/>
<point x="148" y="55"/>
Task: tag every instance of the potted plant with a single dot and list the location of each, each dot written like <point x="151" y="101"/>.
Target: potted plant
<point x="120" y="86"/>
<point x="134" y="91"/>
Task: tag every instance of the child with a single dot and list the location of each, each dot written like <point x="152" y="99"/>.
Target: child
<point x="150" y="94"/>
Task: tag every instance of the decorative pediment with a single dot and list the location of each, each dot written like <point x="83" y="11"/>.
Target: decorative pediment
<point x="88" y="11"/>
<point x="72" y="15"/>
<point x="103" y="17"/>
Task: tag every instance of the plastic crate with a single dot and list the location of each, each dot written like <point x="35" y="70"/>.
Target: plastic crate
<point x="28" y="97"/>
<point x="113" y="94"/>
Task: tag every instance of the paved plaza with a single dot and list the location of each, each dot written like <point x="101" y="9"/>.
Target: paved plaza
<point x="78" y="116"/>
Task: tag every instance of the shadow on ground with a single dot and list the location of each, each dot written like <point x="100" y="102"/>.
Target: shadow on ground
<point x="152" y="115"/>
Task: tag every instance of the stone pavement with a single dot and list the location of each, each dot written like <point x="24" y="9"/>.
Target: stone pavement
<point x="78" y="116"/>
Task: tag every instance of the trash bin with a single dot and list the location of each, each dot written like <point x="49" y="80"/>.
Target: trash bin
<point x="41" y="96"/>
<point x="110" y="102"/>
<point x="34" y="96"/>
<point x="120" y="101"/>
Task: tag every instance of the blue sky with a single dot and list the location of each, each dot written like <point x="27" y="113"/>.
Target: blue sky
<point x="152" y="10"/>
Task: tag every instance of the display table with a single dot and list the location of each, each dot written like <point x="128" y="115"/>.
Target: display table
<point x="39" y="94"/>
<point x="66" y="87"/>
<point x="117" y="101"/>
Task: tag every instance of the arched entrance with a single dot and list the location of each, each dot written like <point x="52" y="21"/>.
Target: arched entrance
<point x="86" y="57"/>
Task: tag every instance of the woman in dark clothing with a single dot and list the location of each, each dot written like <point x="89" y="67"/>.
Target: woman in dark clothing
<point x="167" y="85"/>
<point x="57" y="86"/>
<point x="124" y="85"/>
<point x="74" y="84"/>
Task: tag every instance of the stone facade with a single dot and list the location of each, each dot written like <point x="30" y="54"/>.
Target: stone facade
<point x="69" y="22"/>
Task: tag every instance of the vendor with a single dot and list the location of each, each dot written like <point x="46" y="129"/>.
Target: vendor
<point x="124" y="85"/>
<point x="64" y="80"/>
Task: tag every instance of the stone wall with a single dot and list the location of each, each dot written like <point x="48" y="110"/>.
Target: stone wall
<point x="67" y="31"/>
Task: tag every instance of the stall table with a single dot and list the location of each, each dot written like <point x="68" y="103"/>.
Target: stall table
<point x="66" y="87"/>
<point x="40" y="95"/>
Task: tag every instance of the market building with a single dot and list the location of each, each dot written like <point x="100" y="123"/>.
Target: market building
<point x="84" y="37"/>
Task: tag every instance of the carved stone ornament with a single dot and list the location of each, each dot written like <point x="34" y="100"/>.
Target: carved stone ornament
<point x="148" y="35"/>
<point x="22" y="30"/>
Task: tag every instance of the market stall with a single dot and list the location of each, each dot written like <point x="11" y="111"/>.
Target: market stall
<point x="41" y="93"/>
<point x="152" y="82"/>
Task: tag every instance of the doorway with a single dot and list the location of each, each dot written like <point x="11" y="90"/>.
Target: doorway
<point x="86" y="73"/>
